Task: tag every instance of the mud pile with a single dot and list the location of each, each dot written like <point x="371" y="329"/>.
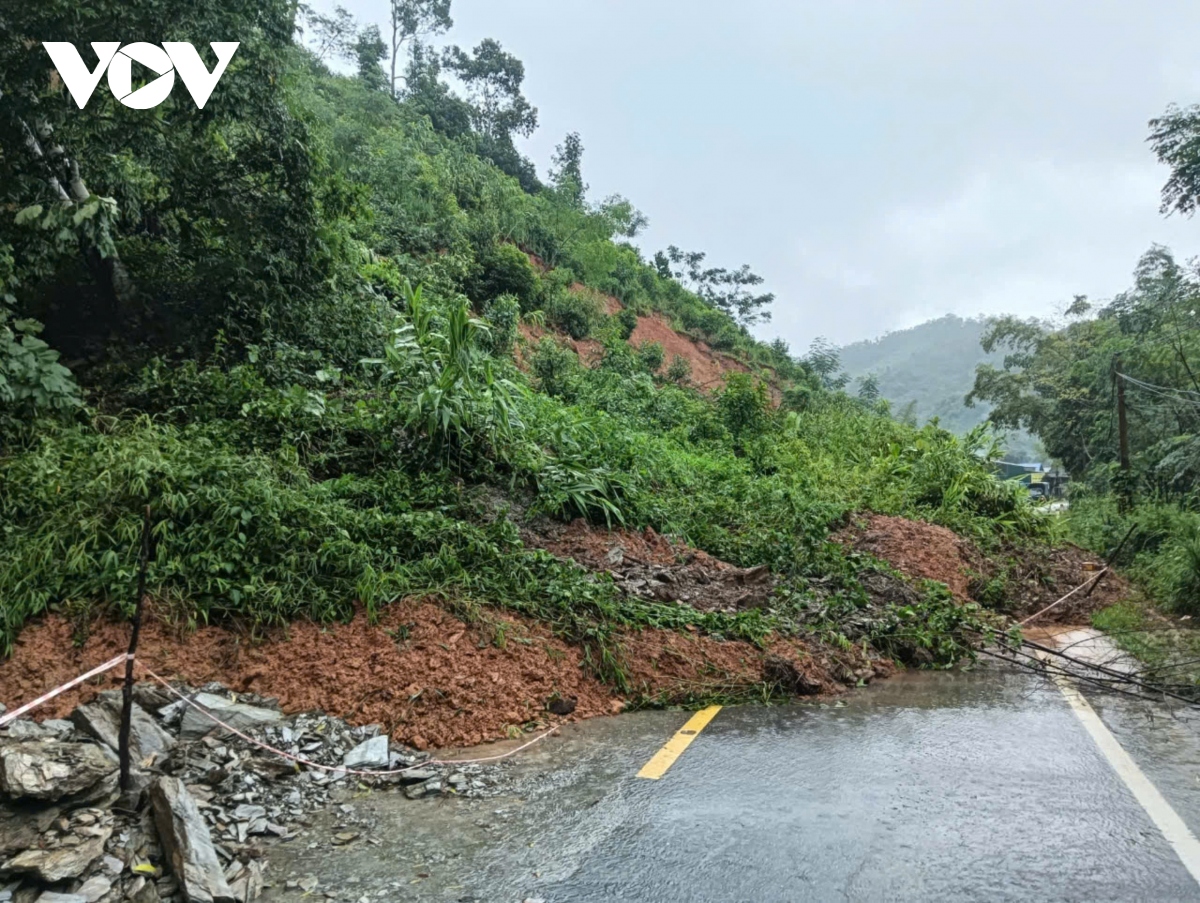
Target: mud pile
<point x="1039" y="578"/>
<point x="430" y="679"/>
<point x="916" y="549"/>
<point x="649" y="565"/>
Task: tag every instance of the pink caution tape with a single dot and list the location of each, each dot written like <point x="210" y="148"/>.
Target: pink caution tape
<point x="29" y="706"/>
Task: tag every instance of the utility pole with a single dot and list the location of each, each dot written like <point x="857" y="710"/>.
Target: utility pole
<point x="1125" y="489"/>
<point x="127" y="700"/>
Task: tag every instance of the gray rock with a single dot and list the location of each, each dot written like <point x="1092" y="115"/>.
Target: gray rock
<point x="102" y="719"/>
<point x="46" y="770"/>
<point x="50" y="896"/>
<point x="94" y="888"/>
<point x="146" y="892"/>
<point x="25" y="729"/>
<point x="187" y="843"/>
<point x="235" y="714"/>
<point x="59" y="727"/>
<point x="61" y="863"/>
<point x="20" y="825"/>
<point x="418" y="775"/>
<point x="371" y="753"/>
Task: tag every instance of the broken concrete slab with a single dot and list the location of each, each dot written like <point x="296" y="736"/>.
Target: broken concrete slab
<point x="371" y="753"/>
<point x="49" y="770"/>
<point x="102" y="719"/>
<point x="186" y="840"/>
<point x="235" y="714"/>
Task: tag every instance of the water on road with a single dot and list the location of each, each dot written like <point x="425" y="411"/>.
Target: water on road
<point x="979" y="785"/>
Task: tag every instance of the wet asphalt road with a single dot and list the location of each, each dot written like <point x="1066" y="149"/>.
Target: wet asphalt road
<point x="972" y="786"/>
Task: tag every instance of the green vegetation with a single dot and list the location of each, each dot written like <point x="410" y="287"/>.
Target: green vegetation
<point x="290" y="320"/>
<point x="1064" y="382"/>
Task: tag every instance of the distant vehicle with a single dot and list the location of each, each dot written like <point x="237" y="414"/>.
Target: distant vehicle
<point x="1042" y="480"/>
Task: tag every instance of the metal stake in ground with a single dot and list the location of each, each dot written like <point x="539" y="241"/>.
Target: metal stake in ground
<point x="127" y="702"/>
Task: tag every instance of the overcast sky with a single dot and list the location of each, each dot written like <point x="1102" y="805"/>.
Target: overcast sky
<point x="880" y="163"/>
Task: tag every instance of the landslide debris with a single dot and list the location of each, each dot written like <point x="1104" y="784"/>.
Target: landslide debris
<point x="916" y="549"/>
<point x="1018" y="580"/>
<point x="651" y="566"/>
<point x="204" y="804"/>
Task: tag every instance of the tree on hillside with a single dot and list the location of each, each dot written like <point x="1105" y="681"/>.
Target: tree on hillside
<point x="333" y="35"/>
<point x="1175" y="137"/>
<point x="499" y="111"/>
<point x="824" y="361"/>
<point x="426" y="93"/>
<point x="144" y="224"/>
<point x="369" y="52"/>
<point x="493" y="77"/>
<point x="726" y="290"/>
<point x="338" y="36"/>
<point x="567" y="174"/>
<point x="412" y="20"/>
<point x="1059" y="380"/>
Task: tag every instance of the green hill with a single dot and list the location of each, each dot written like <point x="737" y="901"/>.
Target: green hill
<point x="927" y="370"/>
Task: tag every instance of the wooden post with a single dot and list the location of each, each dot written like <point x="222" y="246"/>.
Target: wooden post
<point x="1126" y="487"/>
<point x="127" y="701"/>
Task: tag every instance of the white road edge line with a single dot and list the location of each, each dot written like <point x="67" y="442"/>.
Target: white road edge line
<point x="1173" y="828"/>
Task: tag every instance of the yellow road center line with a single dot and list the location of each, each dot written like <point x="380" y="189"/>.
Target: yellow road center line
<point x="673" y="748"/>
<point x="1173" y="828"/>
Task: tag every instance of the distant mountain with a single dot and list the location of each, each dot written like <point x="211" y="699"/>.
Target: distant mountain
<point x="931" y="367"/>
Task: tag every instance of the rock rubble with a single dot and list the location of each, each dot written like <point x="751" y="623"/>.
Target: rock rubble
<point x="205" y="803"/>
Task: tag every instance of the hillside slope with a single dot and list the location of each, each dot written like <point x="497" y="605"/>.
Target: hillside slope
<point x="931" y="367"/>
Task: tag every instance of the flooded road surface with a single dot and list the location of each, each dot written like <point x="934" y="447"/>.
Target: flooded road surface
<point x="970" y="786"/>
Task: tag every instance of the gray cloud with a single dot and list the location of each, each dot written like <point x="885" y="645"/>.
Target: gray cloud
<point x="879" y="162"/>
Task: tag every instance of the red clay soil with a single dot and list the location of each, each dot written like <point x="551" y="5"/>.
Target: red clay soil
<point x="590" y="546"/>
<point x="669" y="667"/>
<point x="915" y="548"/>
<point x="430" y="679"/>
<point x="590" y="351"/>
<point x="1034" y="577"/>
<point x="708" y="366"/>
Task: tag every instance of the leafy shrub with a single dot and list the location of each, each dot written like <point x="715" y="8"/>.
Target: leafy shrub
<point x="650" y="355"/>
<point x="555" y="367"/>
<point x="744" y="406"/>
<point x="503" y="316"/>
<point x="31" y="378"/>
<point x="577" y="313"/>
<point x="680" y="369"/>
<point x="627" y="322"/>
<point x="444" y="382"/>
<point x="504" y="269"/>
